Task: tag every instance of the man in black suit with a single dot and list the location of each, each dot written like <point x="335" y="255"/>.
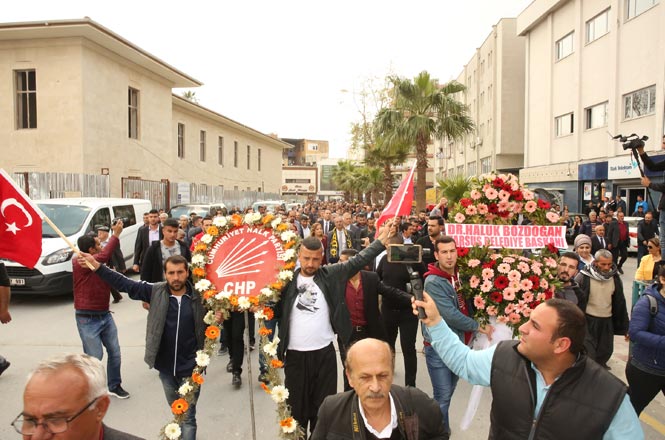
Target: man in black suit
<point x="144" y="238"/>
<point x="362" y="300"/>
<point x="598" y="241"/>
<point x="152" y="269"/>
<point x="354" y="231"/>
<point x="338" y="240"/>
<point x="326" y="221"/>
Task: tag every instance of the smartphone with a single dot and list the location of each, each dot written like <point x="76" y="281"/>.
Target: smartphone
<point x="405" y="253"/>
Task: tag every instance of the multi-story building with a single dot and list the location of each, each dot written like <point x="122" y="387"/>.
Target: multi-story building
<point x="494" y="80"/>
<point x="83" y="104"/>
<point x="594" y="68"/>
<point x="305" y="152"/>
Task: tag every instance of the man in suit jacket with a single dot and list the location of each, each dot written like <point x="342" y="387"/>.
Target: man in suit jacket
<point x="354" y="231"/>
<point x="338" y="240"/>
<point x="152" y="269"/>
<point x="599" y="241"/>
<point x="326" y="221"/>
<point x="362" y="300"/>
<point x="144" y="238"/>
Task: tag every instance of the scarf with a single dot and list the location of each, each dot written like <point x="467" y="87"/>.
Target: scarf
<point x="334" y="244"/>
<point x="433" y="269"/>
<point x="592" y="271"/>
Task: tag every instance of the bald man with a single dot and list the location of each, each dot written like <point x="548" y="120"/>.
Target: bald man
<point x="375" y="405"/>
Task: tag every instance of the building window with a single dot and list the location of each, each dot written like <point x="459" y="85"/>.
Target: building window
<point x="460" y="170"/>
<point x="26" y="99"/>
<point x="598" y="26"/>
<point x="636" y="7"/>
<point x="485" y="165"/>
<point x="235" y="154"/>
<point x="596" y="116"/>
<point x="220" y="150"/>
<point x="564" y="46"/>
<point x="248" y="156"/>
<point x="639" y="103"/>
<point x="202" y="146"/>
<point x="314" y="147"/>
<point x="258" y="154"/>
<point x="564" y="125"/>
<point x="181" y="141"/>
<point x="133" y="108"/>
<point x="471" y="167"/>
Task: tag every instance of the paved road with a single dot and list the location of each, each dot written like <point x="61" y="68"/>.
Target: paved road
<point x="45" y="326"/>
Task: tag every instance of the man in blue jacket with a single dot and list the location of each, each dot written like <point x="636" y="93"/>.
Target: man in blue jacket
<point x="441" y="281"/>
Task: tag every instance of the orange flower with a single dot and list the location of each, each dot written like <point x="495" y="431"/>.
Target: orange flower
<point x="233" y="299"/>
<point x="289" y="244"/>
<point x="269" y="313"/>
<point x="286" y="423"/>
<point x="268" y="218"/>
<point x="277" y="285"/>
<point x="212" y="230"/>
<point x="264" y="387"/>
<point x="179" y="406"/>
<point x="200" y="247"/>
<point x="209" y="294"/>
<point x="276" y="363"/>
<point x="199" y="272"/>
<point x="289" y="266"/>
<point x="254" y="300"/>
<point x="282" y="227"/>
<point x="212" y="332"/>
<point x="236" y="220"/>
<point x="264" y="331"/>
<point x="197" y="378"/>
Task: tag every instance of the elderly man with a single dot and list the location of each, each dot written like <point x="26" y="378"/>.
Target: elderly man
<point x="376" y="408"/>
<point x="66" y="398"/>
<point x="543" y="385"/>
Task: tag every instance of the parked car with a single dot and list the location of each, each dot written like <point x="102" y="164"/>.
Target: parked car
<point x="632" y="232"/>
<point x="569" y="231"/>
<point x="271" y="205"/>
<point x="201" y="209"/>
<point x="74" y="217"/>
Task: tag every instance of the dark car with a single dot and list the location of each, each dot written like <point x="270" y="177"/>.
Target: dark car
<point x="570" y="238"/>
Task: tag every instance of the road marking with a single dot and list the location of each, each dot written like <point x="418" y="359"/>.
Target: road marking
<point x="655" y="424"/>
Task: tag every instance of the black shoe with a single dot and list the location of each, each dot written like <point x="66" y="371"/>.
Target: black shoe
<point x="117" y="300"/>
<point x="4" y="366"/>
<point x="118" y="392"/>
<point x="236" y="381"/>
<point x="264" y="379"/>
<point x="229" y="367"/>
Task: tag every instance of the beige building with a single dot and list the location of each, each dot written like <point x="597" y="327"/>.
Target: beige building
<point x="82" y="101"/>
<point x="593" y="68"/>
<point x="494" y="78"/>
<point x="305" y="152"/>
<point x="299" y="183"/>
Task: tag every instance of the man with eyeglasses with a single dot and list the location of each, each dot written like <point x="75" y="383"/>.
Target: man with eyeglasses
<point x="66" y="398"/>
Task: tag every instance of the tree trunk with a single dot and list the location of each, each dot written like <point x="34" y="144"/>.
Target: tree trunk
<point x="421" y="174"/>
<point x="387" y="183"/>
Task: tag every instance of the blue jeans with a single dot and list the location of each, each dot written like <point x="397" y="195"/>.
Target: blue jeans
<point x="98" y="330"/>
<point x="272" y="325"/>
<point x="171" y="384"/>
<point x="661" y="227"/>
<point x="444" y="382"/>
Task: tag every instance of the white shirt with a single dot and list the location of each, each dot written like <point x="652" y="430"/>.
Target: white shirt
<point x="388" y="430"/>
<point x="153" y="234"/>
<point x="341" y="240"/>
<point x="310" y="327"/>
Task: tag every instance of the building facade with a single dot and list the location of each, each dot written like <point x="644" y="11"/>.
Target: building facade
<point x="82" y="101"/>
<point x="305" y="152"/>
<point x="594" y="68"/>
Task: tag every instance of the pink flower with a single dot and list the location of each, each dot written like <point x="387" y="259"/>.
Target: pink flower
<point x="459" y="218"/>
<point x="487" y="286"/>
<point x="514" y="185"/>
<point x="514" y="285"/>
<point x="528" y="195"/>
<point x="473" y="262"/>
<point x="495" y="256"/>
<point x="482" y="208"/>
<point x="502" y="319"/>
<point x="541" y="296"/>
<point x="536" y="269"/>
<point x="503" y="268"/>
<point x="510" y="308"/>
<point x="508" y="294"/>
<point x="490" y="218"/>
<point x="504" y="205"/>
<point x="471" y="210"/>
<point x="504" y="195"/>
<point x="523" y="267"/>
<point x="491" y="193"/>
<point x="509" y="260"/>
<point x="530" y="207"/>
<point x="474" y="281"/>
<point x="475" y="194"/>
<point x="479" y="302"/>
<point x="517" y="207"/>
<point x="487" y="273"/>
<point x="491" y="310"/>
<point x="550" y="262"/>
<point x="527" y="297"/>
<point x="526" y="284"/>
<point x="515" y="318"/>
<point x="514" y="275"/>
<point x="544" y="284"/>
<point x="526" y="312"/>
<point x="553" y="217"/>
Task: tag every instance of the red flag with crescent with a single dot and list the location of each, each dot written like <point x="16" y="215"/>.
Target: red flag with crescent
<point x="20" y="224"/>
<point x="401" y="202"/>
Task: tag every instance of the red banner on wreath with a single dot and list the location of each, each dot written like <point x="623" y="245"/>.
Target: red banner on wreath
<point x="245" y="260"/>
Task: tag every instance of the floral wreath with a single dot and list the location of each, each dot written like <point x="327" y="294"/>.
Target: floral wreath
<point x="225" y="302"/>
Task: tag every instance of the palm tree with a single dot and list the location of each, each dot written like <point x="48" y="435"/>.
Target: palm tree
<point x="386" y="156"/>
<point x="342" y="177"/>
<point x="453" y="188"/>
<point x="373" y="181"/>
<point x="422" y="110"/>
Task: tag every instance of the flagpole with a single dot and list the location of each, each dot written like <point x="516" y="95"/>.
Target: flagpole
<point x="401" y="200"/>
<point x="69" y="243"/>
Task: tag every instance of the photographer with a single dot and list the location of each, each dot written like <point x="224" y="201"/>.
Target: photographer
<point x="660" y="187"/>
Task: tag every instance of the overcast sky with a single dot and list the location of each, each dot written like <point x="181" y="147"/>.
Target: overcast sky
<point x="292" y="67"/>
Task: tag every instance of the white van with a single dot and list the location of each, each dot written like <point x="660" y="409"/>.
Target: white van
<point x="74" y="217"/>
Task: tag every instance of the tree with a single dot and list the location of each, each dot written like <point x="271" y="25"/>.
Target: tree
<point x="453" y="188"/>
<point x="190" y="96"/>
<point x="422" y="110"/>
<point x="342" y="177"/>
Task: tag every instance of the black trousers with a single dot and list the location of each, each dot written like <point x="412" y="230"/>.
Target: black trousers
<point x="234" y="328"/>
<point x="310" y="376"/>
<point x="642" y="386"/>
<point x="407" y="323"/>
<point x="601" y="332"/>
<point x="357" y="334"/>
<point x="621" y="251"/>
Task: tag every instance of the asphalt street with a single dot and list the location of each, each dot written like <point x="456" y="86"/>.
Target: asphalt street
<point x="45" y="326"/>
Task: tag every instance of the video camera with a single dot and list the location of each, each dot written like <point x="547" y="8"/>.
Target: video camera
<point x="409" y="254"/>
<point x="632" y="141"/>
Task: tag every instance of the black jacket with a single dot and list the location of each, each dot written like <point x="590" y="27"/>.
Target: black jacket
<point x="152" y="268"/>
<point x="660" y="166"/>
<point x="646" y="231"/>
<point x="112" y="434"/>
<point x="418" y="416"/>
<point x="596" y="245"/>
<point x="619" y="311"/>
<point x="372" y="288"/>
<point x="142" y="242"/>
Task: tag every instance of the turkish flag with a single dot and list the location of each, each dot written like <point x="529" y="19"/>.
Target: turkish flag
<point x="20" y="224"/>
<point x="401" y="202"/>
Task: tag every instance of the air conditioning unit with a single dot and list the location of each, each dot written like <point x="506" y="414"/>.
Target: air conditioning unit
<point x="479" y="141"/>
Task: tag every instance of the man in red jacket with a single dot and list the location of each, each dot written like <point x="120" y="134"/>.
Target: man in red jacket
<point x="91" y="301"/>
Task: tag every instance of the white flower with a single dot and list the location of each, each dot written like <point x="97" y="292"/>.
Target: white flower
<point x="271" y="347"/>
<point x="202" y="359"/>
<point x="249" y="218"/>
<point x="202" y="285"/>
<point x="207" y="238"/>
<point x="266" y="291"/>
<point x="243" y="303"/>
<point x="172" y="431"/>
<point x="287" y="429"/>
<point x="285" y="275"/>
<point x="288" y="235"/>
<point x="185" y="388"/>
<point x="256" y="217"/>
<point x="209" y="318"/>
<point x="259" y="314"/>
<point x="288" y="254"/>
<point x="198" y="259"/>
<point x="220" y="221"/>
<point x="279" y="393"/>
<point x="276" y="222"/>
<point x="223" y="294"/>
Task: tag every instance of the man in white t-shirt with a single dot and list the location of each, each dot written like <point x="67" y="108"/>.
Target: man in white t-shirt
<point x="311" y="312"/>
